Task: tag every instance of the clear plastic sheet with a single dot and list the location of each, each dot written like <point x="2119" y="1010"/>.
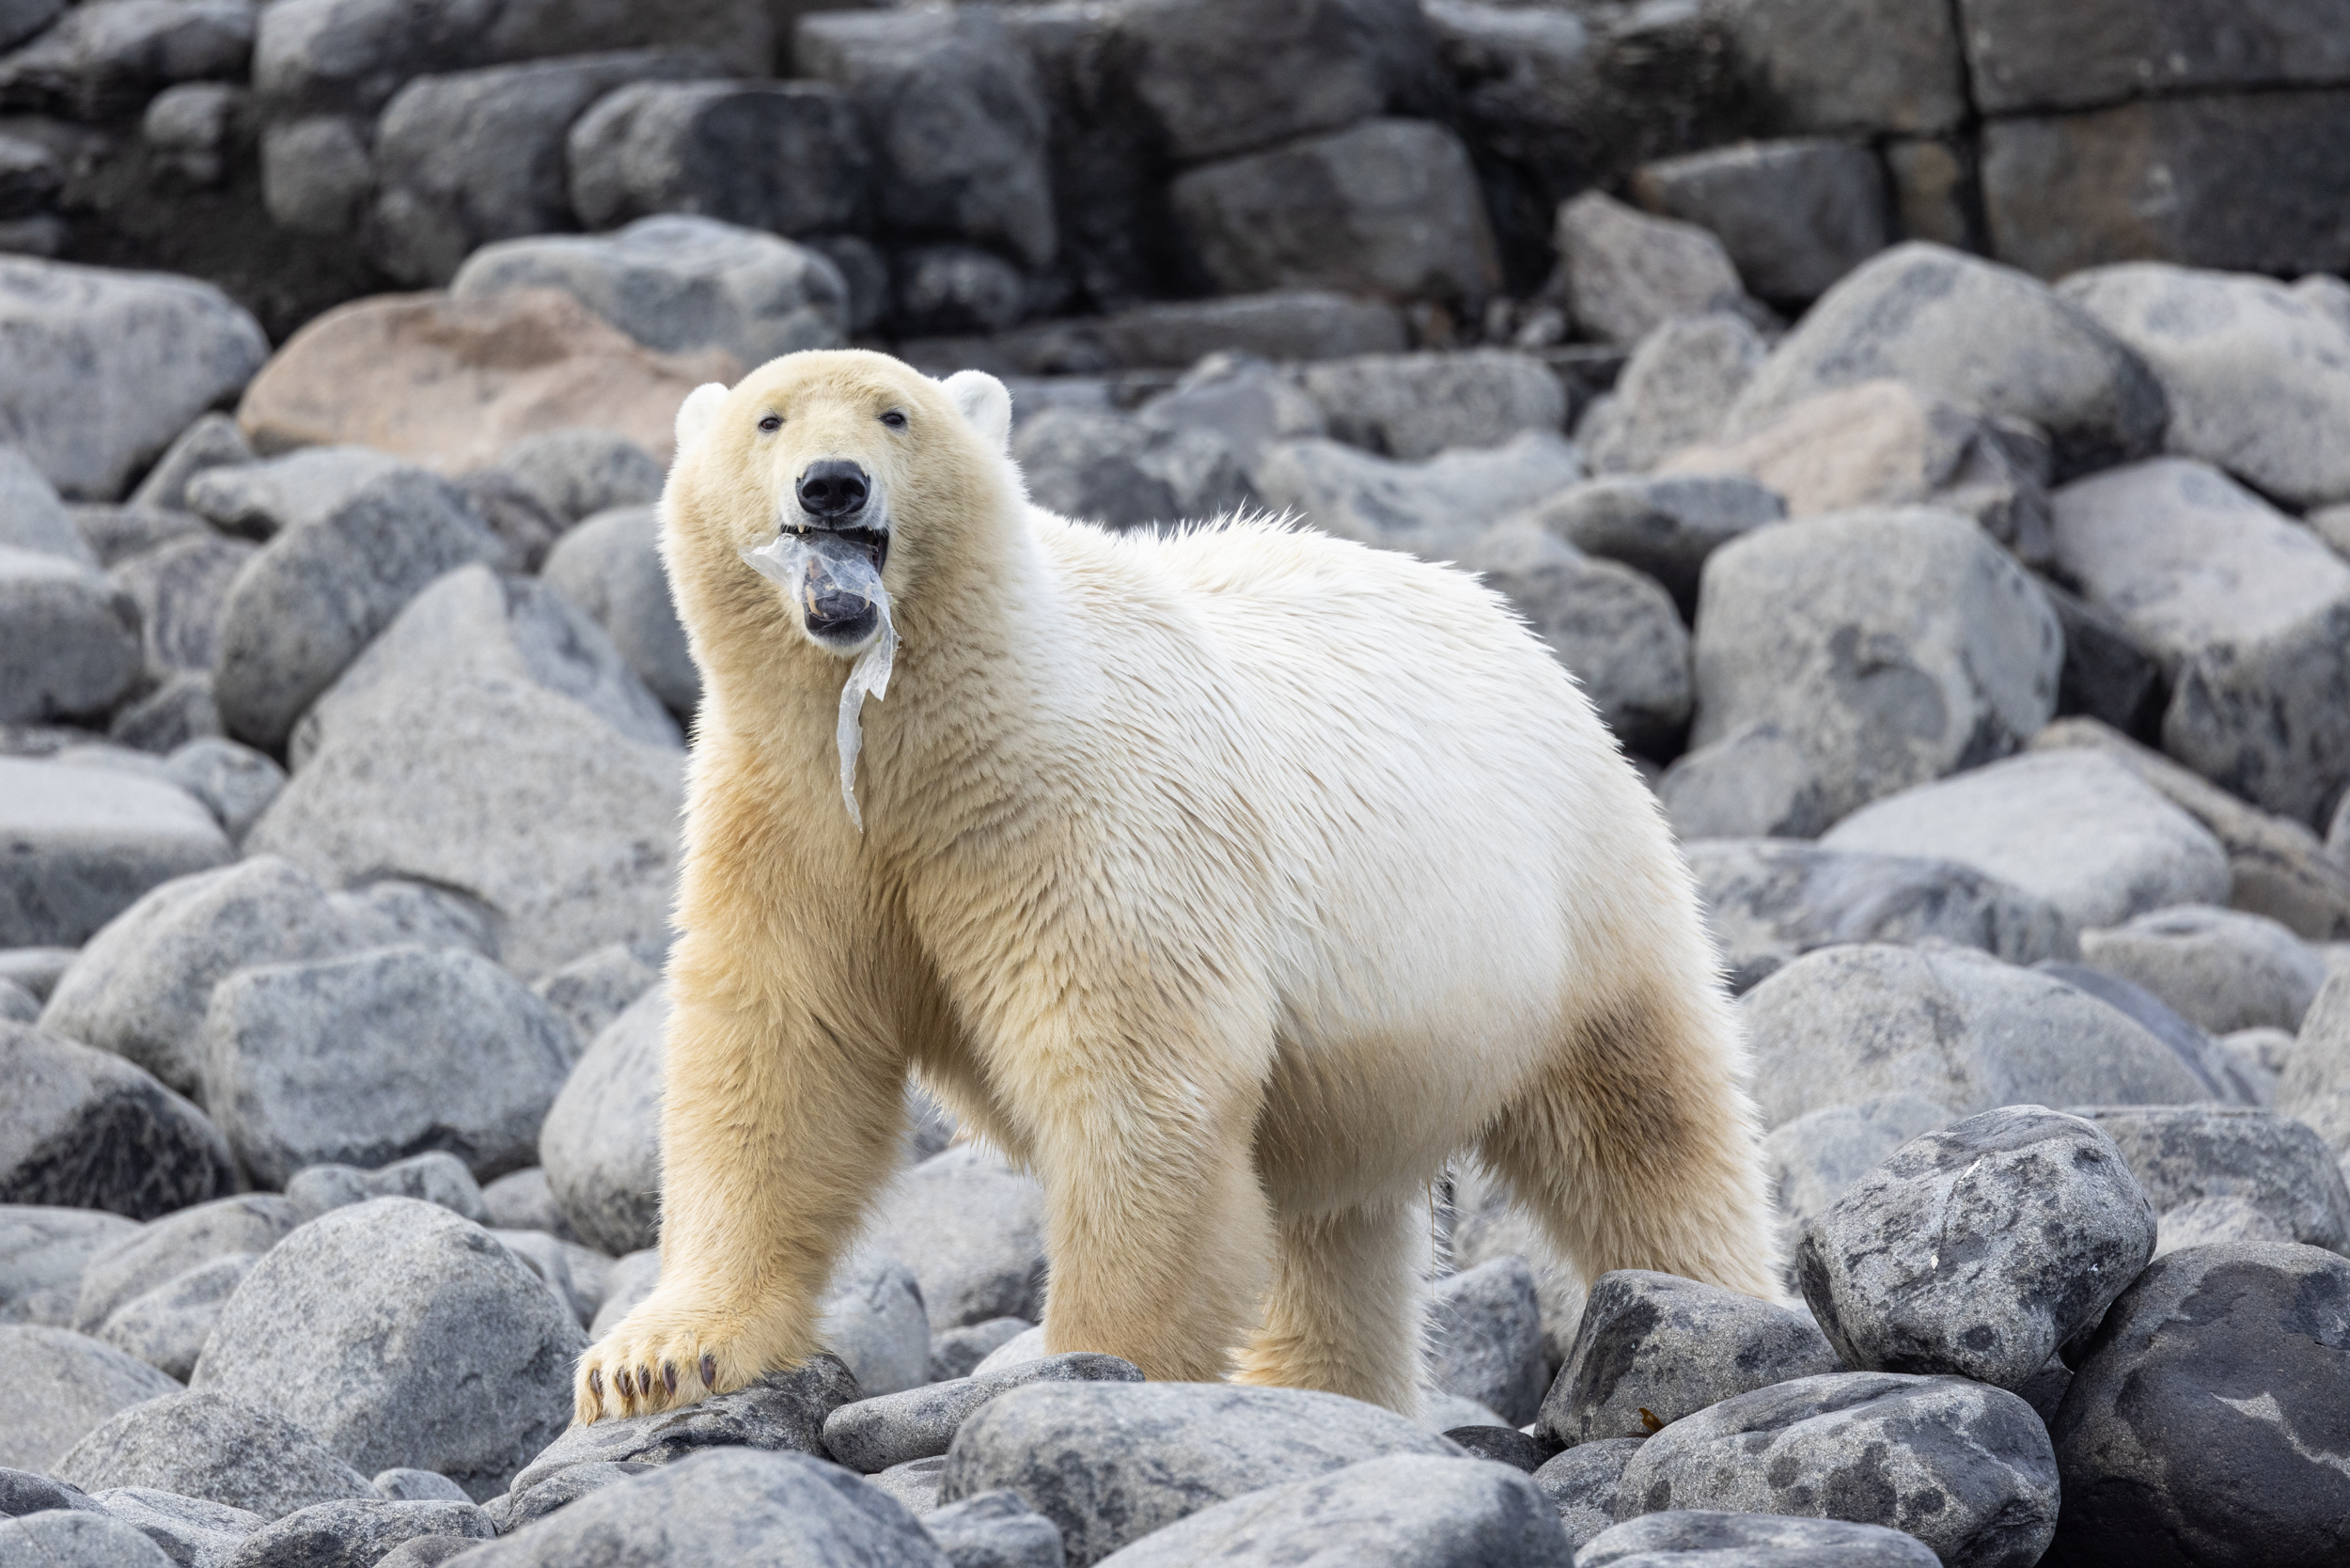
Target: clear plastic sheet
<point x="822" y="570"/>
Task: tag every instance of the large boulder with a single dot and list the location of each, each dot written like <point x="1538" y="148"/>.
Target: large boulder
<point x="1665" y="529"/>
<point x="1794" y="215"/>
<point x="1956" y="1027"/>
<point x="401" y="1334"/>
<point x="1486" y="1338"/>
<point x="1432" y="507"/>
<point x="1415" y="406"/>
<point x="170" y="1248"/>
<point x="259" y="500"/>
<point x="1675" y="391"/>
<point x="203" y="1443"/>
<point x="783" y="1410"/>
<point x="71" y="1384"/>
<point x="973" y="1231"/>
<point x="2239" y="1154"/>
<point x="1886" y="648"/>
<point x="779" y="157"/>
<point x="1702" y="1536"/>
<point x="70" y="642"/>
<point x="100" y="367"/>
<point x="601" y="1141"/>
<point x="1814" y="1160"/>
<point x="872" y="1434"/>
<point x="1982" y="336"/>
<point x="2259" y="655"/>
<point x="181" y="589"/>
<point x="87" y="1129"/>
<point x="2219" y="969"/>
<point x="610" y="566"/>
<point x="44" y="1250"/>
<point x="1627" y="274"/>
<point x="1127" y="473"/>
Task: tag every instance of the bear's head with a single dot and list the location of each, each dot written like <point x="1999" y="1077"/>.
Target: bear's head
<point x="861" y="466"/>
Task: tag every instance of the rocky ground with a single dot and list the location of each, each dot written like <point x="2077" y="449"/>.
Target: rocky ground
<point x="1848" y="392"/>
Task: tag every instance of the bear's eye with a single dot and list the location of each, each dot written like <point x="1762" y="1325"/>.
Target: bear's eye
<point x="773" y="423"/>
<point x="894" y="420"/>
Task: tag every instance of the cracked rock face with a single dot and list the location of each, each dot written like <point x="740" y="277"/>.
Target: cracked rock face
<point x="2209" y="1421"/>
<point x="1980" y="1249"/>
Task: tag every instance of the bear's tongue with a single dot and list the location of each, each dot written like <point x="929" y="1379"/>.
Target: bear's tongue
<point x="836" y="585"/>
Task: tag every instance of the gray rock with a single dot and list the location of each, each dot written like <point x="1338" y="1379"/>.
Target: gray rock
<point x="72" y="1384"/>
<point x="1880" y="67"/>
<point x="1795" y="216"/>
<point x="1585" y="1478"/>
<point x="1111" y="1464"/>
<point x="2079" y="830"/>
<point x="381" y="1055"/>
<point x="2207" y="1222"/>
<point x="1415" y="406"/>
<point x="1814" y="1159"/>
<point x="1976" y="334"/>
<point x="103" y="60"/>
<point x="179" y="709"/>
<point x="781" y="1411"/>
<point x="1405" y="1509"/>
<point x="2212" y="1066"/>
<point x="676" y="283"/>
<point x="2261" y="680"/>
<point x="876" y="1432"/>
<point x="235" y="782"/>
<point x="356" y="1535"/>
<point x="68" y="638"/>
<point x="2109" y="674"/>
<point x="24" y="1491"/>
<point x="581" y="1292"/>
<point x="1503" y="1445"/>
<point x="592" y="990"/>
<point x="1675" y="391"/>
<point x="32" y="517"/>
<point x="1624" y="273"/>
<point x="782" y="157"/>
<point x="118" y="533"/>
<point x="1718" y="1540"/>
<point x="317" y="173"/>
<point x="2220" y="969"/>
<point x="191" y="1530"/>
<point x="1770" y="901"/>
<point x="17" y="1004"/>
<point x="477" y="156"/>
<point x="302" y="489"/>
<point x="1977" y="1248"/>
<point x="2315" y="1086"/>
<point x="514" y="1510"/>
<point x="303" y="609"/>
<point x="84" y="845"/>
<point x="211" y="441"/>
<point x="514" y="512"/>
<point x="2273" y="1164"/>
<point x="1664" y="527"/>
<point x="973" y="1231"/>
<point x="402" y="1483"/>
<point x="1654" y="1348"/>
<point x="1237" y="396"/>
<point x="1430" y="507"/>
<point x="1115" y="470"/>
<point x="71" y="1539"/>
<point x="914" y="1483"/>
<point x="1387" y="209"/>
<point x="716" y="1510"/>
<point x="43" y="1255"/>
<point x="522" y="1201"/>
<point x="2257" y="1058"/>
<point x="1278" y="324"/>
<point x="434" y="1177"/>
<point x="102" y="367"/>
<point x="958" y="122"/>
<point x="2205" y="1418"/>
<point x="2023" y="58"/>
<point x="1954" y="1026"/>
<point x="168" y="1326"/>
<point x="957" y="289"/>
<point x="140" y="986"/>
<point x="88" y="1130"/>
<point x="956" y="1353"/>
<point x="1965" y="1469"/>
<point x="579" y="473"/>
<point x="402" y="1335"/>
<point x="2256" y="372"/>
<point x="1887" y="648"/>
<point x="204" y="1443"/>
<point x="872" y="1319"/>
<point x="601" y="1141"/>
<point x="168" y="1250"/>
<point x="995" y="1529"/>
<point x="1485" y="1339"/>
<point x="1484" y="1221"/>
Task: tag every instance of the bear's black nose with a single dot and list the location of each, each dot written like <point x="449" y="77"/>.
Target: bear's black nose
<point x="833" y="488"/>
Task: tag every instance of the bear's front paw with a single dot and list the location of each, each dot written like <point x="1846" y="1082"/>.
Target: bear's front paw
<point x="666" y="1354"/>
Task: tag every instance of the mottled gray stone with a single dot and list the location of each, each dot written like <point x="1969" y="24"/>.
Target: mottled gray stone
<point x="71" y="1384"/>
<point x="956" y="1353"/>
<point x="1794" y="215"/>
<point x="179" y="709"/>
<point x="83" y="845"/>
<point x="973" y="1231"/>
<point x="601" y="1141"/>
<point x="2212" y="1066"/>
<point x="211" y="441"/>
<point x="595" y="988"/>
<point x="261" y="500"/>
<point x="434" y="1177"/>
<point x="402" y="1335"/>
<point x="1112" y="469"/>
<point x="1965" y="1469"/>
<point x="610" y="567"/>
<point x="1675" y="391"/>
<point x="578" y="473"/>
<point x="204" y="1443"/>
<point x="995" y="1529"/>
<point x="68" y="638"/>
<point x="1485" y="1339"/>
<point x="391" y="911"/>
<point x="2315" y="1086"/>
<point x="514" y="1510"/>
<point x="101" y="61"/>
<point x="236" y="783"/>
<point x="785" y="157"/>
<point x="1414" y="406"/>
<point x="2205" y="1423"/>
<point x="914" y="1483"/>
<point x="114" y="534"/>
<point x="1717" y="1540"/>
<point x="1663" y="527"/>
<point x="781" y="1411"/>
<point x="72" y="1539"/>
<point x="1430" y="507"/>
<point x="32" y="517"/>
<point x="873" y="1320"/>
<point x="1624" y="273"/>
<point x="356" y="1533"/>
<point x="877" y="1432"/>
<point x="43" y="1254"/>
<point x="2220" y="969"/>
<point x="403" y="1483"/>
<point x="87" y="1129"/>
<point x="2270" y="1163"/>
<point x="1653" y="1348"/>
<point x="1954" y="1026"/>
<point x="1277" y="324"/>
<point x="1408" y="1511"/>
<point x="522" y="1201"/>
<point x="167" y="1327"/>
<point x="1814" y="1159"/>
<point x="167" y="1249"/>
<point x="1236" y="396"/>
<point x="1770" y="901"/>
<point x="1585" y="1477"/>
<point x="195" y="1532"/>
<point x="1110" y="1464"/>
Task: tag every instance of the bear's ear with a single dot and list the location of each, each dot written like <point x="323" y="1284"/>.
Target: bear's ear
<point x="696" y="413"/>
<point x="986" y="405"/>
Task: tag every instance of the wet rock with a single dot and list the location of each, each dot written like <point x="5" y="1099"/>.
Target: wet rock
<point x="2205" y="1422"/>
<point x="576" y="474"/>
<point x="1485" y="1333"/>
<point x="1665" y="529"/>
<point x="1112" y="469"/>
<point x="436" y="1177"/>
<point x="1429" y="507"/>
<point x="1675" y="391"/>
<point x="1977" y="1248"/>
<point x="973" y="1231"/>
<point x="1624" y="273"/>
<point x="2221" y="970"/>
<point x="1954" y="1026"/>
<point x="592" y="990"/>
<point x="781" y="1411"/>
<point x="1751" y="1541"/>
<point x="102" y="367"/>
<point x="206" y="1444"/>
<point x="43" y="1254"/>
<point x="1794" y="215"/>
<point x="1112" y="1464"/>
<point x="402" y="1335"/>
<point x="876" y="1432"/>
<point x="72" y="1384"/>
<point x="601" y="1141"/>
<point x="1965" y="1469"/>
<point x="1653" y="1348"/>
<point x="1415" y="406"/>
<point x="68" y="638"/>
<point x="2082" y="831"/>
<point x="1404" y="1509"/>
<point x="88" y="1130"/>
<point x="1979" y="334"/>
<point x="781" y="156"/>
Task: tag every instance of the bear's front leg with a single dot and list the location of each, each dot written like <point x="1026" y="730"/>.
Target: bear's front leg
<point x="780" y="1120"/>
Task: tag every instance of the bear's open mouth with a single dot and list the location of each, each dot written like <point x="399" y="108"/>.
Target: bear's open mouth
<point x="874" y="542"/>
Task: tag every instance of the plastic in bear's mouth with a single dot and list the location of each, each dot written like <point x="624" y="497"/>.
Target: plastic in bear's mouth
<point x="872" y="543"/>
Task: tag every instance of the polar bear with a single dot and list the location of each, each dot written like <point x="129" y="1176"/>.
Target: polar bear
<point x="1233" y="882"/>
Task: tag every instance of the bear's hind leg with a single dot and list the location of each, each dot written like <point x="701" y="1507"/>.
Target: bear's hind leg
<point x="1345" y="1313"/>
<point x="1636" y="1147"/>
